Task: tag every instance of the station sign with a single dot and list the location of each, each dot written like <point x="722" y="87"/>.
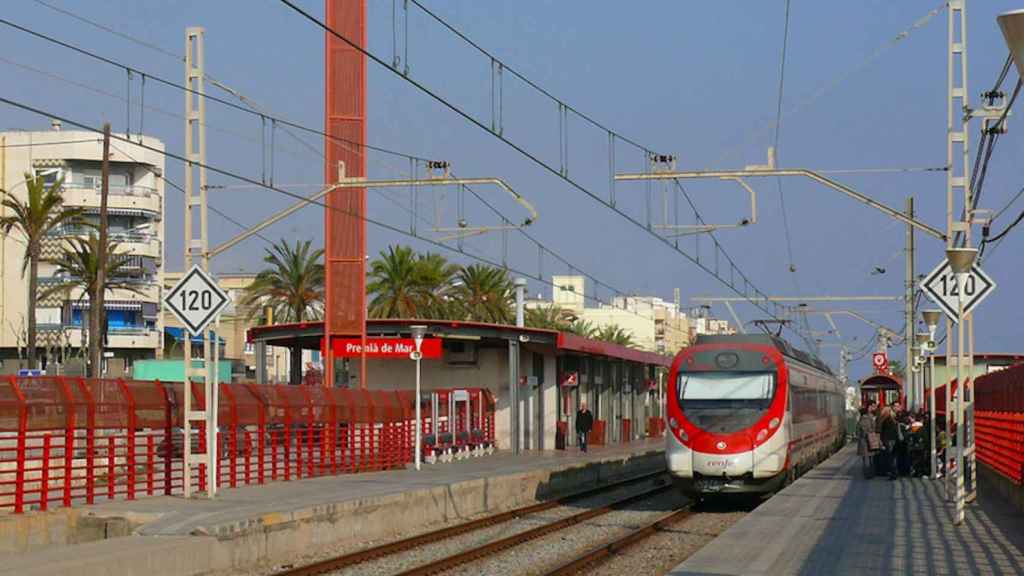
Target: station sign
<point x="386" y="347"/>
<point x="570" y="379"/>
<point x="942" y="287"/>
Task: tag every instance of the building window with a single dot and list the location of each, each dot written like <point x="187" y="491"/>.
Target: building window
<point x="50" y="175"/>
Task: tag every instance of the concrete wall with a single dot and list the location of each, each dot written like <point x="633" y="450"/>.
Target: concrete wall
<point x="538" y="403"/>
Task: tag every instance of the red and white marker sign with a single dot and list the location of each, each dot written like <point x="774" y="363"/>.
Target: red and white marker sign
<point x="881" y="362"/>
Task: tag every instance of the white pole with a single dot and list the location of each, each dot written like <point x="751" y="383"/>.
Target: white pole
<point x="211" y="407"/>
<point x="419" y="433"/>
<point x="959" y="518"/>
<point x="931" y="410"/>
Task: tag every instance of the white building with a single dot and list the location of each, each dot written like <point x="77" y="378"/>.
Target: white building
<point x="654" y="324"/>
<point x="710" y="326"/>
<point x="135" y="216"/>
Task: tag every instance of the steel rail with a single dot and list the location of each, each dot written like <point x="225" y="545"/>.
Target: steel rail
<point x="390" y="548"/>
<point x="496" y="546"/>
<point x="609" y="549"/>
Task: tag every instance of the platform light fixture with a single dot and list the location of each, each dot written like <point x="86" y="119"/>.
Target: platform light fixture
<point x="418" y="332"/>
<point x="1012" y="25"/>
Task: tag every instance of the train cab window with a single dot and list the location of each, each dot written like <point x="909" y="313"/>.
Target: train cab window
<point x="725" y="402"/>
<point x="727" y="386"/>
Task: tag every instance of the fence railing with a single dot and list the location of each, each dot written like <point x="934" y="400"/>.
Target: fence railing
<point x="68" y="441"/>
<point x="999" y="419"/>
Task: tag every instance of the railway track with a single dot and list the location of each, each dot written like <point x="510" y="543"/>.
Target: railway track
<point x="613" y="547"/>
<point x="355" y="558"/>
<point x="497" y="546"/>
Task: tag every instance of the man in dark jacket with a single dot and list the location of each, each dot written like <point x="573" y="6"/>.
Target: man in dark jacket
<point x="584" y="422"/>
<point x="889" y="430"/>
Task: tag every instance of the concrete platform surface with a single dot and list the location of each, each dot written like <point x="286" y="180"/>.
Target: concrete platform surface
<point x="233" y="508"/>
<point x="833" y="521"/>
<point x="259" y="524"/>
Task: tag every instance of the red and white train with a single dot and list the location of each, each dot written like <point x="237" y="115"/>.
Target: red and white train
<point x="748" y="414"/>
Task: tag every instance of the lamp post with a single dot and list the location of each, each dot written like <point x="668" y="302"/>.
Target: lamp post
<point x="960" y="260"/>
<point x="931" y="320"/>
<point x="418" y="332"/>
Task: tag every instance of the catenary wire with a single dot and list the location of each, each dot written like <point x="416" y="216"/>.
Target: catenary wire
<point x="242" y="178"/>
<point x="248" y="102"/>
<point x="471" y="119"/>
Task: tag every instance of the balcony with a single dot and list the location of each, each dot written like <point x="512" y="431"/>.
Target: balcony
<point x="140" y="199"/>
<point x="146" y="291"/>
<point x="131" y="337"/>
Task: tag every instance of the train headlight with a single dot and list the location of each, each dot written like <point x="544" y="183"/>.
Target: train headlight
<point x="762" y="435"/>
<point x="774" y="423"/>
<point x="673" y="423"/>
<point x="683" y="436"/>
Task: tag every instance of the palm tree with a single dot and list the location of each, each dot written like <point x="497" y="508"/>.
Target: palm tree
<point x="78" y="267"/>
<point x="614" y="334"/>
<point x="485" y="294"/>
<point x="582" y="327"/>
<point x="550" y="317"/>
<point x="292" y="284"/>
<point x="40" y="213"/>
<point x="403" y="284"/>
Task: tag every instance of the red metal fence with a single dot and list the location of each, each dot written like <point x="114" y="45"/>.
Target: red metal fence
<point x="999" y="420"/>
<point x="66" y="441"/>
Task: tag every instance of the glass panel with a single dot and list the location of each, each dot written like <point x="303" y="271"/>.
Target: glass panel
<point x="726" y="386"/>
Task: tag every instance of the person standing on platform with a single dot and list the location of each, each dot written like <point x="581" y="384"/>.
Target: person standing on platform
<point x="865" y="428"/>
<point x="584" y="422"/>
<point x="889" y="430"/>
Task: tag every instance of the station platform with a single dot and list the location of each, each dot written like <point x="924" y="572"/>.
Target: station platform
<point x="833" y="521"/>
<point x="270" y="523"/>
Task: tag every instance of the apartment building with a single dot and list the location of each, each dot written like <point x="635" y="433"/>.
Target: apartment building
<point x="136" y="224"/>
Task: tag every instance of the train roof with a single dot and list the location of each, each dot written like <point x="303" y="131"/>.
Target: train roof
<point x="784" y="347"/>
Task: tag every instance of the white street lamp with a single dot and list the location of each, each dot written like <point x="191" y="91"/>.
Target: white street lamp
<point x="418" y="332"/>
<point x="1012" y="25"/>
<point x="960" y="260"/>
<point x="931" y="320"/>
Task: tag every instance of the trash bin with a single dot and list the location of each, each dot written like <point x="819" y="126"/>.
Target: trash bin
<point x="561" y="432"/>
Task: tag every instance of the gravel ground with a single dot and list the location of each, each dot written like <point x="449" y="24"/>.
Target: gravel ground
<point x="665" y="550"/>
<point x="536" y="556"/>
<point x="424" y="554"/>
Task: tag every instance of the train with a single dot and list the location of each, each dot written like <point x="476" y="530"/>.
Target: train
<point x="749" y="413"/>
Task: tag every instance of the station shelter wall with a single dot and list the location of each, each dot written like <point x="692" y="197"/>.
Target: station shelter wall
<point x="537" y="397"/>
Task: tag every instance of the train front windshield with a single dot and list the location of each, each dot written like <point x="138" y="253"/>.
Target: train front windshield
<point x="725" y="402"/>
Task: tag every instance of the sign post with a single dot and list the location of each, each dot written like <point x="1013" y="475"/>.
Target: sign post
<point x="196" y="300"/>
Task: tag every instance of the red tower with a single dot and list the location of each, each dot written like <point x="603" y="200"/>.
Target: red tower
<point x="344" y="224"/>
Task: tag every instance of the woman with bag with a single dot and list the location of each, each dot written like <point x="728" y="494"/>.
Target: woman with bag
<point x="889" y="429"/>
<point x="866" y="433"/>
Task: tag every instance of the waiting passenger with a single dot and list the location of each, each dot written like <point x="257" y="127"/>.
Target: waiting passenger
<point x="865" y="440"/>
<point x="584" y="422"/>
<point x="889" y="430"/>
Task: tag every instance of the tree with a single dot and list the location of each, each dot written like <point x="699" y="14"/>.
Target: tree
<point x="79" y="267"/>
<point x="896" y="368"/>
<point x="550" y="317"/>
<point x="584" y="328"/>
<point x="485" y="294"/>
<point x="403" y="284"/>
<point x="614" y="334"/>
<point x="292" y="284"/>
<point x="41" y="213"/>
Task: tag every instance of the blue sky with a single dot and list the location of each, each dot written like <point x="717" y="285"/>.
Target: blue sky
<point x="696" y="79"/>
